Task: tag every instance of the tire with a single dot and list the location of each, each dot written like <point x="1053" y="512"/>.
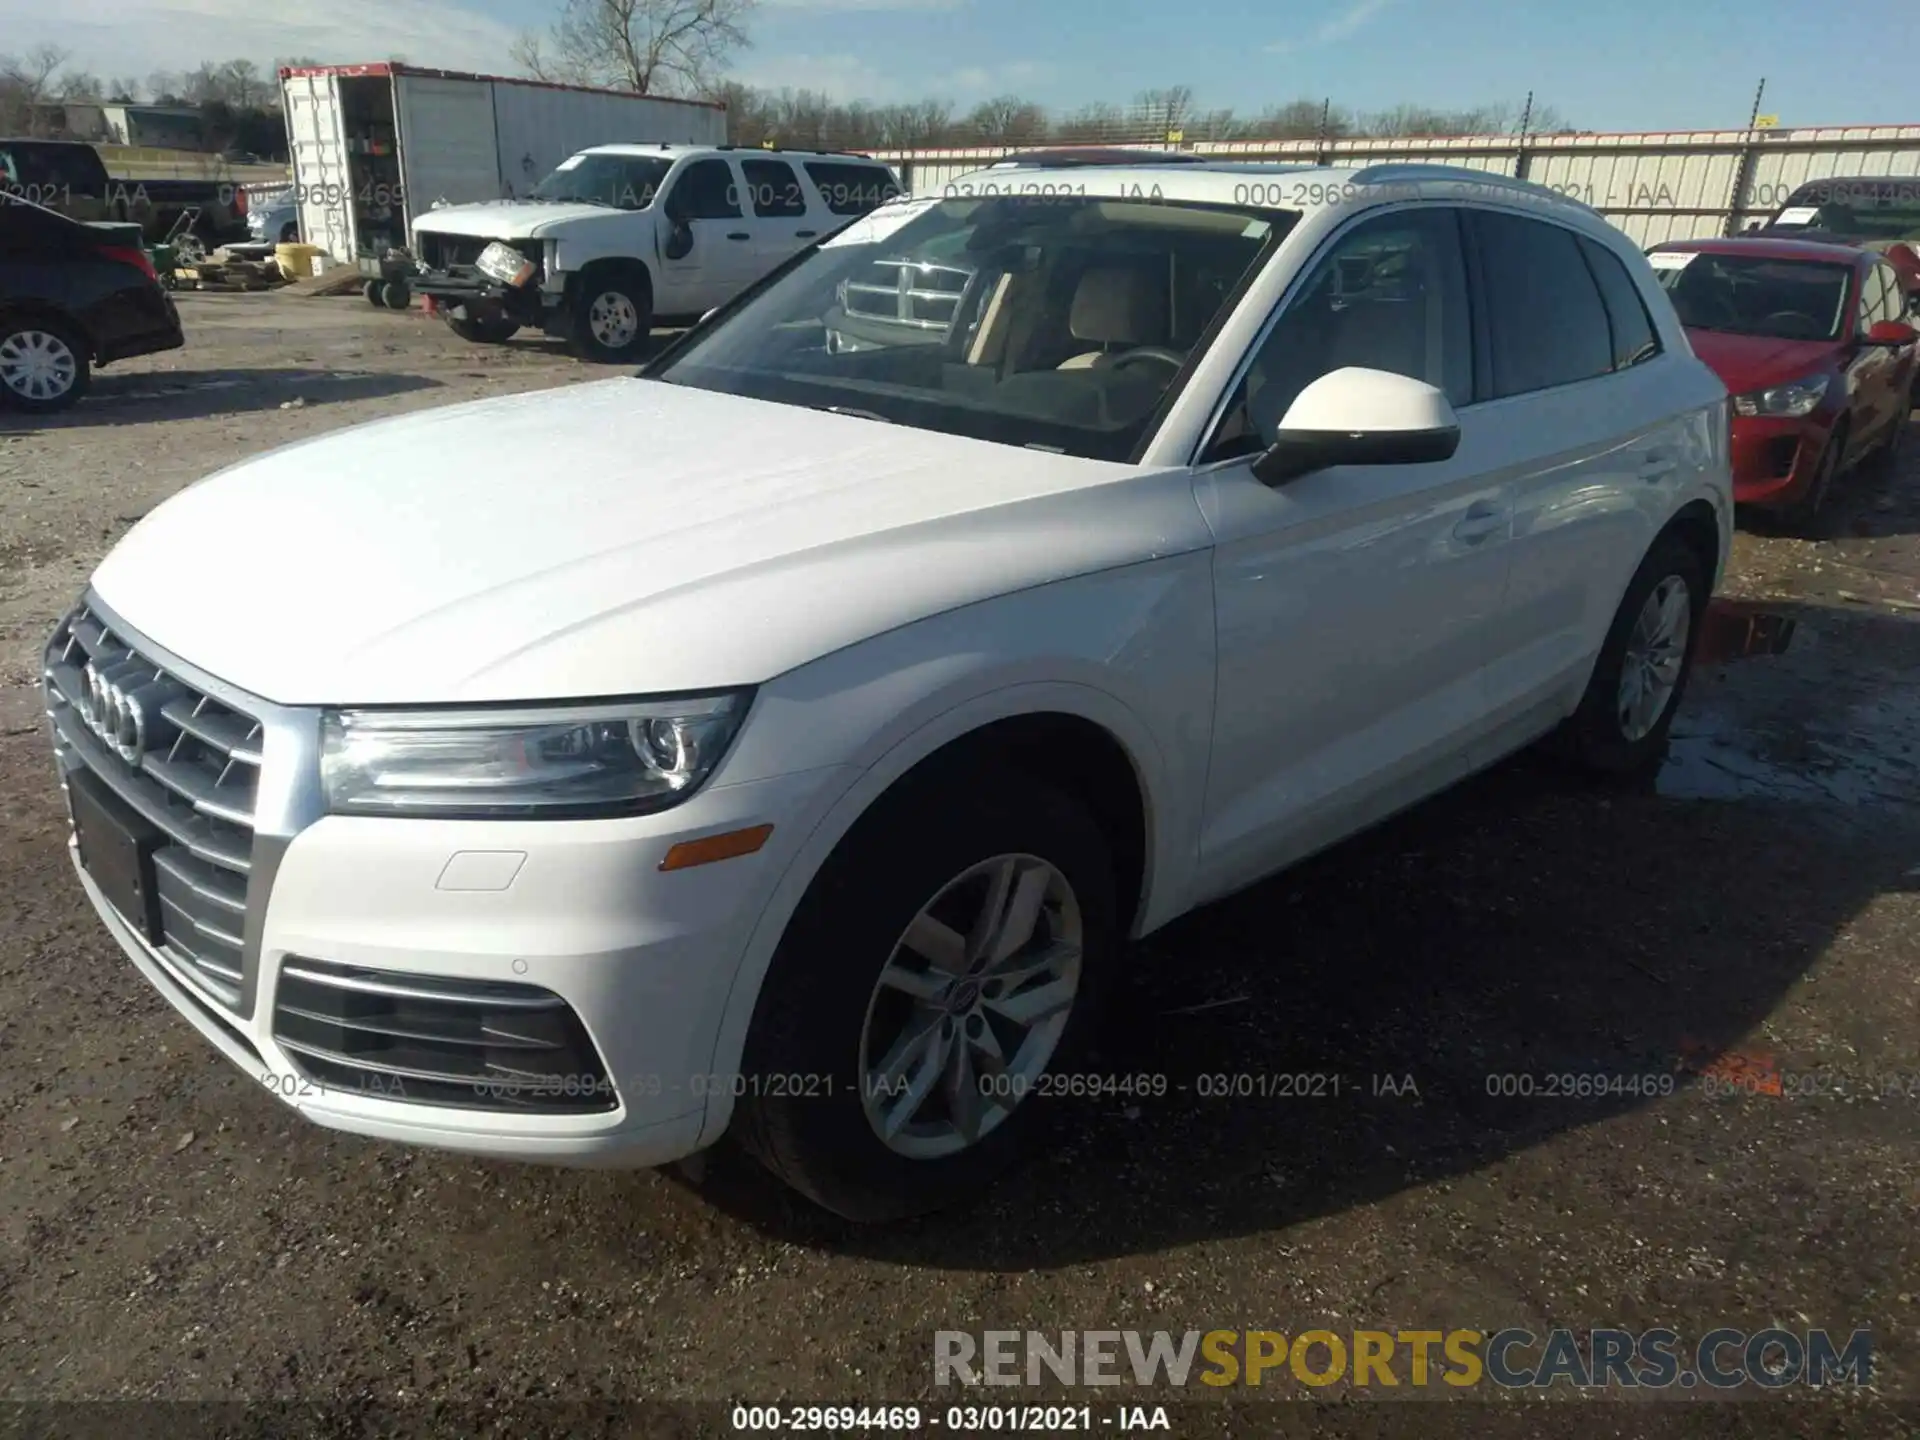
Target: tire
<point x="487" y="330"/>
<point x="823" y="1021"/>
<point x="396" y="295"/>
<point x="372" y="291"/>
<point x="290" y="234"/>
<point x="1803" y="516"/>
<point x="44" y="365"/>
<point x="1886" y="455"/>
<point x="1601" y="736"/>
<point x="612" y="316"/>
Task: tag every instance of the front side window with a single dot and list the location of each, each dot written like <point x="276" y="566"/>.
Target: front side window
<point x="705" y="191"/>
<point x="1048" y="321"/>
<point x="1546" y="323"/>
<point x="1753" y="295"/>
<point x="621" y="182"/>
<point x="1391" y="294"/>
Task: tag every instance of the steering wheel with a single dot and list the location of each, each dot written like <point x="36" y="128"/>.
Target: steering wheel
<point x="1148" y="352"/>
<point x="1793" y="320"/>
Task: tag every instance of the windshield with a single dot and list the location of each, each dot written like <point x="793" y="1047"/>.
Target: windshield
<point x="1053" y="321"/>
<point x="1867" y="209"/>
<point x="626" y="182"/>
<point x="1750" y="295"/>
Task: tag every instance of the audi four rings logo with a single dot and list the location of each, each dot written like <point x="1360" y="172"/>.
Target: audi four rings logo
<point x="117" y="715"/>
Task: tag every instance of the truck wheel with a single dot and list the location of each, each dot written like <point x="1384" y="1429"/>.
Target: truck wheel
<point x="1621" y="727"/>
<point x="396" y="295"/>
<point x="613" y="316"/>
<point x="43" y="366"/>
<point x="932" y="978"/>
<point x="485" y="330"/>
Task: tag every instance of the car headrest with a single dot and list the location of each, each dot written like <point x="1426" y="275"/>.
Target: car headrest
<point x="1120" y="305"/>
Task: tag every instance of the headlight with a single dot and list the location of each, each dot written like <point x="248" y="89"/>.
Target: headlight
<point x="1801" y="397"/>
<point x="505" y="264"/>
<point x="615" y="759"/>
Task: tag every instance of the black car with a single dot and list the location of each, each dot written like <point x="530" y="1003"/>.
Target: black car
<point x="72" y="296"/>
<point x="1875" y="212"/>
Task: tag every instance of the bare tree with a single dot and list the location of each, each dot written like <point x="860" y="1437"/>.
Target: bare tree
<point x="80" y="85"/>
<point x="123" y="90"/>
<point x="651" y="47"/>
<point x="244" y="87"/>
<point x="1007" y="120"/>
<point x="26" y="87"/>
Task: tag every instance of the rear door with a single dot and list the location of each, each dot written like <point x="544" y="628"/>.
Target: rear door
<point x="847" y="189"/>
<point x="1595" y="436"/>
<point x="1354" y="607"/>
<point x="321" y="184"/>
<point x="448" y="149"/>
<point x="777" y="206"/>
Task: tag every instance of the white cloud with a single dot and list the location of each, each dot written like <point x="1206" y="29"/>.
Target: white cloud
<point x="1338" y="27"/>
<point x="137" y="37"/>
<point x="848" y="77"/>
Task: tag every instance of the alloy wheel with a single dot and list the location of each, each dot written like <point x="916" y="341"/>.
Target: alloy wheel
<point x="1656" y="653"/>
<point x="970" y="1007"/>
<point x="614" y="320"/>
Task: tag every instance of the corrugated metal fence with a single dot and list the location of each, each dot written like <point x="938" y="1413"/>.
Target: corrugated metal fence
<point x="1653" y="186"/>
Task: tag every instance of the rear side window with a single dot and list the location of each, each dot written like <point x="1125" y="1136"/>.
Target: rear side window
<point x="852" y="189"/>
<point x="28" y="230"/>
<point x="1546" y="323"/>
<point x="774" y="188"/>
<point x="1634" y="339"/>
<point x="705" y="191"/>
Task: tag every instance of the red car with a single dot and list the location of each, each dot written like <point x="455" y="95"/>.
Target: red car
<point x="1816" y="345"/>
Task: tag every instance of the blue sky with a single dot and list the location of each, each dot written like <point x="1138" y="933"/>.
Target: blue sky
<point x="1622" y="64"/>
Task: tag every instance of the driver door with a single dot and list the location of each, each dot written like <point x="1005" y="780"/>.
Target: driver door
<point x="1356" y="607"/>
<point x="706" y="249"/>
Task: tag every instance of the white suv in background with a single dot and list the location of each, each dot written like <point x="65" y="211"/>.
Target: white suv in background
<point x="790" y="738"/>
<point x="621" y="235"/>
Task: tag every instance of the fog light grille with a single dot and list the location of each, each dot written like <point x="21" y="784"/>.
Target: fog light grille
<point x="431" y="1040"/>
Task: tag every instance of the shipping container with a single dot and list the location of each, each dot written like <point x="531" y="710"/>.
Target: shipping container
<point x="376" y="146"/>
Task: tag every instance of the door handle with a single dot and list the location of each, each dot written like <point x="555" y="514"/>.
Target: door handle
<point x="739" y="235"/>
<point x="1482" y="520"/>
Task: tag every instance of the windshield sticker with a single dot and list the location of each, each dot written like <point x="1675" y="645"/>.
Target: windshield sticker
<point x="1798" y="215"/>
<point x="570" y="164"/>
<point x="1256" y="230"/>
<point x="1671" y="259"/>
<point x="881" y="223"/>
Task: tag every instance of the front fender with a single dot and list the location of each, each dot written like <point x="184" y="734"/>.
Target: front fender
<point x="1139" y="665"/>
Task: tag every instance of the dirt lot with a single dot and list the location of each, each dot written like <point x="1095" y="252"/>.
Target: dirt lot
<point x="168" y="1230"/>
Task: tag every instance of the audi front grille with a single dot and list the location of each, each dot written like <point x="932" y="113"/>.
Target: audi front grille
<point x="190" y="768"/>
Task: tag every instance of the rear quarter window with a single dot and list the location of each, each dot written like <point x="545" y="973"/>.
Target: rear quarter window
<point x="1634" y="338"/>
<point x="852" y="189"/>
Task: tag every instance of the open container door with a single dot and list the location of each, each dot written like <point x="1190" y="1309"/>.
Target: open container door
<point x="448" y="148"/>
<point x="317" y="134"/>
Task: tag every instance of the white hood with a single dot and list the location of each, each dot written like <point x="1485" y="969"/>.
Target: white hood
<point x="620" y="537"/>
<point x="507" y="219"/>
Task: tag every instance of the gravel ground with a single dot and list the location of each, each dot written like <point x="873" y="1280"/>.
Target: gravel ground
<point x="169" y="1231"/>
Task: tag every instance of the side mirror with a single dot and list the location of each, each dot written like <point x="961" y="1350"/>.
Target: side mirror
<point x="1892" y="333"/>
<point x="1356" y="416"/>
<point x="679" y="240"/>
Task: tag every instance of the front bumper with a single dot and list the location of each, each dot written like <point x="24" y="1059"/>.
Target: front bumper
<point x="577" y="912"/>
<point x="1775" y="459"/>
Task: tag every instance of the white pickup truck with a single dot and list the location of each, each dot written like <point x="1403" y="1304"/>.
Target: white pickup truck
<point x="621" y="234"/>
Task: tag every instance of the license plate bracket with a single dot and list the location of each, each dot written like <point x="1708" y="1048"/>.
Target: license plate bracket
<point x="116" y="850"/>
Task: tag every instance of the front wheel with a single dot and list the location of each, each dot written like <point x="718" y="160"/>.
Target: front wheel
<point x="1622" y="724"/>
<point x="43" y="366"/>
<point x="613" y="317"/>
<point x="933" y="994"/>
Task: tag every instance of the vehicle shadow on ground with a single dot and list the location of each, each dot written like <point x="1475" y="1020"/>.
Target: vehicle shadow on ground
<point x="197" y="394"/>
<point x="1525" y="925"/>
<point x="533" y="342"/>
